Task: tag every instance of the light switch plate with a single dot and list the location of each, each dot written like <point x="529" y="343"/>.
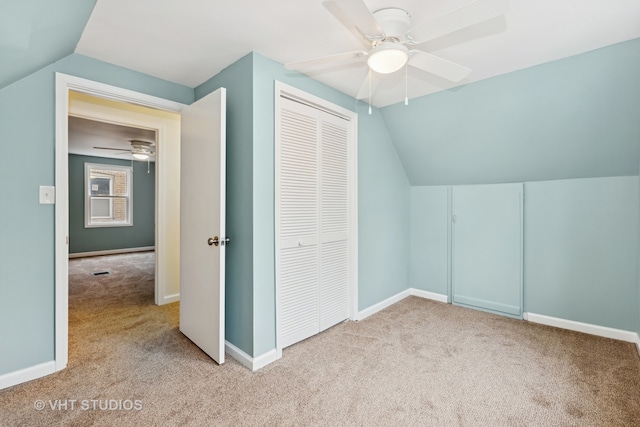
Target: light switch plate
<point x="47" y="195"/>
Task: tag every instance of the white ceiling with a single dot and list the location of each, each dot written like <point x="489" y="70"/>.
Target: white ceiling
<point x="85" y="135"/>
<point x="188" y="42"/>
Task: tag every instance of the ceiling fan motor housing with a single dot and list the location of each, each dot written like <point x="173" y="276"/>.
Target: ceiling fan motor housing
<point x="394" y="22"/>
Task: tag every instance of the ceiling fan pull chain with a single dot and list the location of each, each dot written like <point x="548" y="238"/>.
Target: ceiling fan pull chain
<point x="148" y="165"/>
<point x="369" y="91"/>
<point x="406" y="84"/>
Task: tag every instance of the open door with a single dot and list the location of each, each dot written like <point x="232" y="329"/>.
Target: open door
<point x="202" y="223"/>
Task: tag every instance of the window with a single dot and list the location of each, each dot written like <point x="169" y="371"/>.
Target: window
<point x="108" y="200"/>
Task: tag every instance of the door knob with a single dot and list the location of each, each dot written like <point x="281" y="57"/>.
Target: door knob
<point x="213" y="241"/>
<point x="225" y="241"/>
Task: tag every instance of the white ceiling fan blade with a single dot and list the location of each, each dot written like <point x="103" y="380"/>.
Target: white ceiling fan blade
<point x="337" y="13"/>
<point x="438" y="66"/>
<point x="367" y="91"/>
<point x="324" y="60"/>
<point x="462" y="17"/>
<point x="359" y="14"/>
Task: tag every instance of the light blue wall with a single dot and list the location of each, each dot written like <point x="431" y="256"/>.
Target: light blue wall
<point x="572" y="118"/>
<point x="581" y="239"/>
<point x="92" y="69"/>
<point x="140" y="234"/>
<point x="26" y="246"/>
<point x="430" y="239"/>
<point x="26" y="227"/>
<point x="383" y="213"/>
<point x="237" y="79"/>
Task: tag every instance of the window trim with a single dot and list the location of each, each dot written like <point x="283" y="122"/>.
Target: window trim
<point x="87" y="195"/>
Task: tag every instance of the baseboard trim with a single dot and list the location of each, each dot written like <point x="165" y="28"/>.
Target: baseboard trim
<point x="251" y="363"/>
<point x="27" y="374"/>
<point x="587" y="328"/>
<point x="429" y="295"/>
<point x="638" y="343"/>
<point x="170" y="298"/>
<point x="383" y="304"/>
<point x="399" y="297"/>
<point x="264" y="359"/>
<point x="112" y="252"/>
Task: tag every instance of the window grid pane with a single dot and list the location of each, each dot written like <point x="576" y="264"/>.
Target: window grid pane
<point x="108" y="195"/>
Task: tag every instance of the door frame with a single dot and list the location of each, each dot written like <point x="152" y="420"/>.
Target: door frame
<point x="63" y="84"/>
<point x="290" y="92"/>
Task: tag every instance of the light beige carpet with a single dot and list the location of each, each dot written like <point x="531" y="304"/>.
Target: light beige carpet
<point x="418" y="363"/>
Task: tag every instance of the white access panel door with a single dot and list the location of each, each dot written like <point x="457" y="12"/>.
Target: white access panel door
<point x="487" y="247"/>
<point x="202" y="223"/>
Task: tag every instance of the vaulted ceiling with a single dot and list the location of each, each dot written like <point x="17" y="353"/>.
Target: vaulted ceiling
<point x="35" y="33"/>
<point x="548" y="117"/>
<point x="189" y="42"/>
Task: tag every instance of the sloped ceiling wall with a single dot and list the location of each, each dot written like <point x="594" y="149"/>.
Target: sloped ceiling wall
<point x="573" y="118"/>
<point x="35" y="33"/>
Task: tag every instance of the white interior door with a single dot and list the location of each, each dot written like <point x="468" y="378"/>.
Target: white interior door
<point x="202" y="223"/>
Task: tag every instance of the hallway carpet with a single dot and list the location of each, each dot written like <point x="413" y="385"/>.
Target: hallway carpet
<point x="418" y="362"/>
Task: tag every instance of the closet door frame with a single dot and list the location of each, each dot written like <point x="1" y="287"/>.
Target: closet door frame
<point x="289" y="92"/>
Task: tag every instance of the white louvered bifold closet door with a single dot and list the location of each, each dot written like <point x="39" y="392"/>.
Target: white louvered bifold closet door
<point x="334" y="220"/>
<point x="313" y="224"/>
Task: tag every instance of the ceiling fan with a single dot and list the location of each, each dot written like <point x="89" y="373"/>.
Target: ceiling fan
<point x="140" y="150"/>
<point x="390" y="34"/>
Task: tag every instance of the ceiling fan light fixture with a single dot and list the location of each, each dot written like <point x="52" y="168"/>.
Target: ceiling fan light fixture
<point x="140" y="156"/>
<point x="388" y="57"/>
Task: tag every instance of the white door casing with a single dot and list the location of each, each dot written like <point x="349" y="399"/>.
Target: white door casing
<point x="202" y="207"/>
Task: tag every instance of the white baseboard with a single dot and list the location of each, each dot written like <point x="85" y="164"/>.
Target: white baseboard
<point x="252" y="363"/>
<point x="382" y="305"/>
<point x="170" y="298"/>
<point x="112" y="252"/>
<point x="429" y="295"/>
<point x="399" y="297"/>
<point x="264" y="359"/>
<point x="638" y="343"/>
<point x="27" y="374"/>
<point x="587" y="328"/>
